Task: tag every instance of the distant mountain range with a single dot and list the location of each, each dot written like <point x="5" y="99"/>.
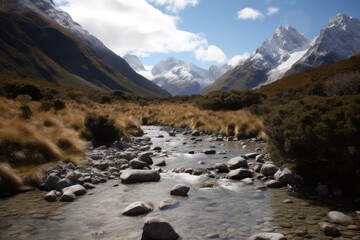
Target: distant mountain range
<point x="42" y="42"/>
<point x="177" y="77"/>
<point x="289" y="52"/>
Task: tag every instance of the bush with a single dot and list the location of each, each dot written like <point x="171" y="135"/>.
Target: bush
<point x="102" y="129"/>
<point x="319" y="137"/>
<point x="105" y="99"/>
<point x="45" y="106"/>
<point x="59" y="104"/>
<point x="230" y="100"/>
<point x="26" y="112"/>
<point x="13" y="90"/>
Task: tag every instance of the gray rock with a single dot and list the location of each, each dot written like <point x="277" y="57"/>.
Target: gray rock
<point x="341" y="218"/>
<point x="329" y="229"/>
<point x="156" y="149"/>
<point x="260" y="158"/>
<point x="267" y="236"/>
<point x="180" y="190"/>
<point x="168" y="204"/>
<point x="247" y="181"/>
<point x="239" y="174"/>
<point x="237" y="162"/>
<point x="72" y="176"/>
<point x="137" y="208"/>
<point x="51" y="181"/>
<point x="285" y="177"/>
<point x="273" y="184"/>
<point x="269" y="169"/>
<point x="195" y="133"/>
<point x="138" y="176"/>
<point x="210" y="152"/>
<point x="63" y="183"/>
<point x="89" y="185"/>
<point x="51" y="196"/>
<point x="252" y="155"/>
<point x="146" y="157"/>
<point x="103" y="165"/>
<point x="77" y="189"/>
<point x="172" y="134"/>
<point x="159" y="229"/>
<point x="221" y="167"/>
<point x="68" y="197"/>
<point x="137" y="164"/>
<point x="160" y="162"/>
<point x="125" y="155"/>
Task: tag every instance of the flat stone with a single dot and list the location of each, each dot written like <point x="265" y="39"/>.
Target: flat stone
<point x="138" y="176"/>
<point x="138" y="208"/>
<point x="285" y="224"/>
<point x="168" y="203"/>
<point x="137" y="164"/>
<point x="89" y="185"/>
<point x="273" y="184"/>
<point x="77" y="189"/>
<point x="210" y="151"/>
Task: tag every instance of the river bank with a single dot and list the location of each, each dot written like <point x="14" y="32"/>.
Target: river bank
<point x="216" y="207"/>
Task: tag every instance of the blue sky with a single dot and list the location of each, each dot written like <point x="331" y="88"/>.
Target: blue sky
<point x="203" y="32"/>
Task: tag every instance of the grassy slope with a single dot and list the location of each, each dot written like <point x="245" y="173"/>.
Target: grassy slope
<point x="52" y="54"/>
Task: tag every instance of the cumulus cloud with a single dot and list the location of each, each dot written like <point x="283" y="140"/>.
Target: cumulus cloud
<point x="272" y="11"/>
<point x="237" y="59"/>
<point x="249" y="13"/>
<point x="175" y="5"/>
<point x="138" y="27"/>
<point x="210" y="53"/>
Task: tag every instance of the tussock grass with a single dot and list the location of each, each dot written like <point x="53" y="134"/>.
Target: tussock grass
<point x="29" y="147"/>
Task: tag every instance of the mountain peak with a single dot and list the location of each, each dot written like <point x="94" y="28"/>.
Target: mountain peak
<point x="340" y="20"/>
<point x="134" y="62"/>
<point x="166" y="65"/>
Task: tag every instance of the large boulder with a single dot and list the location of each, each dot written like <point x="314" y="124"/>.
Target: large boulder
<point x="285" y="177"/>
<point x="77" y="189"/>
<point x="68" y="197"/>
<point x="159" y="229"/>
<point x="239" y="174"/>
<point x="341" y="218"/>
<point x="138" y="208"/>
<point x="267" y="236"/>
<point x="269" y="169"/>
<point x="180" y="190"/>
<point x="237" y="162"/>
<point x="138" y="176"/>
<point x="51" y="196"/>
<point x="51" y="181"/>
<point x="137" y="164"/>
<point x="273" y="184"/>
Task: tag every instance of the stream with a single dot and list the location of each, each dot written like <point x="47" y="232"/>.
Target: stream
<point x="229" y="210"/>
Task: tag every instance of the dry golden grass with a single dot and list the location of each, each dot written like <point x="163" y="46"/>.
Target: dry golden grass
<point x="29" y="147"/>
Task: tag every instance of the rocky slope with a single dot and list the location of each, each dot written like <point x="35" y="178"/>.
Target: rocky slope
<point x="338" y="41"/>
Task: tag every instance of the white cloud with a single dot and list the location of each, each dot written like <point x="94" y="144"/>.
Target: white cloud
<point x="175" y="5"/>
<point x="211" y="54"/>
<point x="272" y="11"/>
<point x="237" y="59"/>
<point x="249" y="13"/>
<point x="138" y="27"/>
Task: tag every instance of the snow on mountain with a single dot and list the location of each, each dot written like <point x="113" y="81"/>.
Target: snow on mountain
<point x="268" y="63"/>
<point x="338" y="41"/>
<point x="134" y="62"/>
<point x="166" y="66"/>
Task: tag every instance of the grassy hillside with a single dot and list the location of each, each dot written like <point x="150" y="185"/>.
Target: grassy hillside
<point x="50" y="53"/>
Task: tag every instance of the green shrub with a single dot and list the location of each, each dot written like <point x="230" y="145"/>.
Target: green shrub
<point x="13" y="90"/>
<point x="45" y="106"/>
<point x="26" y="112"/>
<point x="319" y="137"/>
<point x="102" y="129"/>
<point x="105" y="99"/>
<point x="229" y="100"/>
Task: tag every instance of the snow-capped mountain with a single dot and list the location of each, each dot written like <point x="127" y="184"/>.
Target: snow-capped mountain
<point x="268" y="63"/>
<point x="134" y="62"/>
<point x="178" y="77"/>
<point x="338" y="41"/>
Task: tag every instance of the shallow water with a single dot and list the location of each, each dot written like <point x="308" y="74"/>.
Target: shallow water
<point x="230" y="210"/>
